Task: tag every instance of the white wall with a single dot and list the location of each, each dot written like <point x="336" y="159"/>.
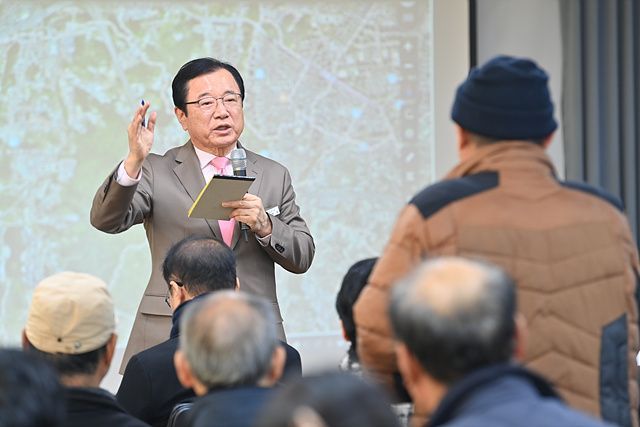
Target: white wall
<point x="526" y="28"/>
<point x="451" y="63"/>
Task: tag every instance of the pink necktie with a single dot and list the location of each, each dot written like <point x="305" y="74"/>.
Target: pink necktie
<point x="226" y="227"/>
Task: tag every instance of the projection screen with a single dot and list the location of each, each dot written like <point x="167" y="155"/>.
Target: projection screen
<point x="341" y="92"/>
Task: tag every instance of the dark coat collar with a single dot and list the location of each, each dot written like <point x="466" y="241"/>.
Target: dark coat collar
<point x="177" y="314"/>
<point x="461" y="392"/>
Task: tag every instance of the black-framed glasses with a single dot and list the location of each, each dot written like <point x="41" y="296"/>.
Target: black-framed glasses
<point x="167" y="297"/>
<point x="230" y="100"/>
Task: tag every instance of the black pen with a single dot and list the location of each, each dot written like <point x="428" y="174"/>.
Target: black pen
<point x="142" y="103"/>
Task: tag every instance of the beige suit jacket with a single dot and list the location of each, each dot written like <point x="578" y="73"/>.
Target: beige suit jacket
<point x="168" y="187"/>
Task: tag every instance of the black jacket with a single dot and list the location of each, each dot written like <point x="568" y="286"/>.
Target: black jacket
<point x="233" y="407"/>
<point x="95" y="407"/>
<point x="150" y="388"/>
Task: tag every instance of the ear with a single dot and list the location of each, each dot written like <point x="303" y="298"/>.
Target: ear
<point x="182" y="118"/>
<point x="183" y="371"/>
<point x="180" y="294"/>
<point x="466" y="146"/>
<point x="406" y="363"/>
<point x="344" y="333"/>
<point x="462" y="138"/>
<point x="547" y="140"/>
<point x="278" y="359"/>
<point x="26" y="345"/>
<point x="110" y="351"/>
<point x="237" y="288"/>
<point x="520" y="337"/>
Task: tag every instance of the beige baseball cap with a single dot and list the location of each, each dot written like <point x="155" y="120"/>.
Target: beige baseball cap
<point x="70" y="313"/>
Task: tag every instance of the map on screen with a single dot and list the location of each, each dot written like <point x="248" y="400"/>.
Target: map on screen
<point x="340" y="92"/>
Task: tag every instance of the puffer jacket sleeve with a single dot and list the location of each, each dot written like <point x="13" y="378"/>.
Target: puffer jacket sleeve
<point x="375" y="338"/>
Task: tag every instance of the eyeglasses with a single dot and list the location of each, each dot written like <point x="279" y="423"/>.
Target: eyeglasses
<point x="167" y="297"/>
<point x="231" y="101"/>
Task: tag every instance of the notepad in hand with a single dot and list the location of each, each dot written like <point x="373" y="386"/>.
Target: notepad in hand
<point x="220" y="189"/>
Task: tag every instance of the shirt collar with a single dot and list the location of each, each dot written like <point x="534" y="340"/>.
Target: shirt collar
<point x="205" y="158"/>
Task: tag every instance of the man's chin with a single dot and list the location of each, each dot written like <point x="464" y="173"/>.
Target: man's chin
<point x="217" y="146"/>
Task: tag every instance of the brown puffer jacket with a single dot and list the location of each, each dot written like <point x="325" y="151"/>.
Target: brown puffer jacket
<point x="570" y="250"/>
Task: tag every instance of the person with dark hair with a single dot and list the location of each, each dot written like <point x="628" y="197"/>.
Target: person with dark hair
<point x="352" y="284"/>
<point x="568" y="245"/>
<point x="71" y="324"/>
<point x="193" y="268"/>
<point x="157" y="190"/>
<point x="30" y="395"/>
<point x="455" y="322"/>
<point x="329" y="400"/>
<point x="230" y="356"/>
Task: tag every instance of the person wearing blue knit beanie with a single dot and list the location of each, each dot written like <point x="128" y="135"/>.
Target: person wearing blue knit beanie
<point x="507" y="98"/>
<point x="567" y="245"/>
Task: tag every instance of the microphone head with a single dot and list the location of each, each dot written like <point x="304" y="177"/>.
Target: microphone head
<point x="238" y="159"/>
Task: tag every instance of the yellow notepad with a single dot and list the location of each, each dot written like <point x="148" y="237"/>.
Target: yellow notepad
<point x="220" y="189"/>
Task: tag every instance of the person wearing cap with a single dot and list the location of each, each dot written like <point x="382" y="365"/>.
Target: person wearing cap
<point x="568" y="245"/>
<point x="71" y="323"/>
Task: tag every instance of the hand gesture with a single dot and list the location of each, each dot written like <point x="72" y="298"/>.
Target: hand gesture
<point x="250" y="211"/>
<point x="140" y="140"/>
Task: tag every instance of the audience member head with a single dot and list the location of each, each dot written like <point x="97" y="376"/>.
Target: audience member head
<point x="30" y="395"/>
<point x="505" y="99"/>
<point x="352" y="284"/>
<point x="329" y="400"/>
<point x="71" y="323"/>
<point x="195" y="68"/>
<point x="451" y="316"/>
<point x="198" y="265"/>
<point x="228" y="339"/>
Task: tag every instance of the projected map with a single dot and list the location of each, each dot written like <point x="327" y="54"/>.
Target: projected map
<point x="339" y="92"/>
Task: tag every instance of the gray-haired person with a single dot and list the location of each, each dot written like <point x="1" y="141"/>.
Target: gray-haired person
<point x="229" y="354"/>
<point x="457" y="331"/>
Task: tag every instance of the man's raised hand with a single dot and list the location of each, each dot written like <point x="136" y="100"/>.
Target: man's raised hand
<point x="140" y="140"/>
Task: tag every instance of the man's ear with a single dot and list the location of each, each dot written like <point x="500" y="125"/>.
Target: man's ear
<point x="520" y="338"/>
<point x="182" y="118"/>
<point x="180" y="294"/>
<point x="344" y="333"/>
<point x="183" y="370"/>
<point x="462" y="138"/>
<point x="105" y="362"/>
<point x="547" y="140"/>
<point x="26" y="345"/>
<point x="111" y="349"/>
<point x="278" y="359"/>
<point x="407" y="365"/>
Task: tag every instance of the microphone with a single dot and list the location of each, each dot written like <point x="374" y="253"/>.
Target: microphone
<point x="238" y="159"/>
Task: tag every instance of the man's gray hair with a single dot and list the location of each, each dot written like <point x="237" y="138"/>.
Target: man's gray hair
<point x="455" y="315"/>
<point x="229" y="338"/>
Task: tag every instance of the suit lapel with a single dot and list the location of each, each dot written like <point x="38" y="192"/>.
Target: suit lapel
<point x="253" y="169"/>
<point x="189" y="174"/>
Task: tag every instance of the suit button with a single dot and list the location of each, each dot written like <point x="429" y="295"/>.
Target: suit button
<point x="279" y="247"/>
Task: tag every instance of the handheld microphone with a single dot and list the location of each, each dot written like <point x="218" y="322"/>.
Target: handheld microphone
<point x="238" y="159"/>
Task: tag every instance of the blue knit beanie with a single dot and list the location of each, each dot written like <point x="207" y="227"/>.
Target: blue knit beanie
<point x="506" y="98"/>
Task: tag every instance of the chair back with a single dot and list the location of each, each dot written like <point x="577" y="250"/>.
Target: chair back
<point x="180" y="415"/>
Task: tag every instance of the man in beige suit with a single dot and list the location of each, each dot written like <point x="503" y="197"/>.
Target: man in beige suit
<point x="157" y="190"/>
